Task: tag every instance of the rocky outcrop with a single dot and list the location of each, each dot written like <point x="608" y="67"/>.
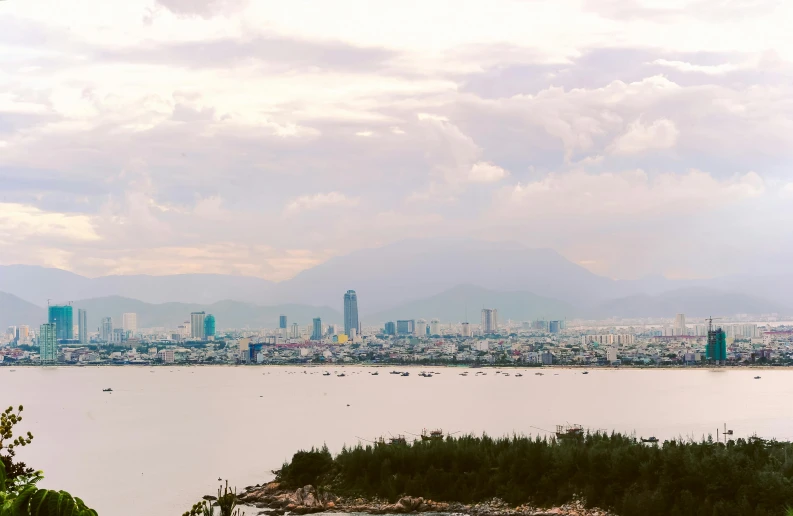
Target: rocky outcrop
<point x="308" y="499"/>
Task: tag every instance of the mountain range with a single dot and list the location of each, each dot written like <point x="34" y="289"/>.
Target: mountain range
<point x="410" y="279"/>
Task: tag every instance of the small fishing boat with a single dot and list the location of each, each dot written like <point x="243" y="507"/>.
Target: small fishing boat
<point x="375" y="373"/>
<point x="405" y="374"/>
<point x="651" y="439"/>
<point x="756" y="377"/>
<point x="518" y="375"/>
<point x="585" y="372"/>
<point x="107" y="390"/>
<point x="341" y="375"/>
<point x="326" y="373"/>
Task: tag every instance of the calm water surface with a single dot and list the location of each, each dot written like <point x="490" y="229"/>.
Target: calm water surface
<point x="165" y="435"/>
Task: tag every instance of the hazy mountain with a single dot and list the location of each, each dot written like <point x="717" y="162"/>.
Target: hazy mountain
<point x="228" y="314"/>
<point x="692" y="301"/>
<point x="38" y="284"/>
<point x="452" y="305"/>
<point x="16" y="312"/>
<point x="390" y="276"/>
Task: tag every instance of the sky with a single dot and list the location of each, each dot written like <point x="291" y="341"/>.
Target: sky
<point x="635" y="137"/>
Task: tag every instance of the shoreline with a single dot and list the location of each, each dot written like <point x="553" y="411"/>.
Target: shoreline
<point x="589" y="368"/>
<point x="274" y="500"/>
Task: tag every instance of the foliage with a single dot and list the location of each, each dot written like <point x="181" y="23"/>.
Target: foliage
<point x="19" y="495"/>
<point x="226" y="501"/>
<point x="612" y="471"/>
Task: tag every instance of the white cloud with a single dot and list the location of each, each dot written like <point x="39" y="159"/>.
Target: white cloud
<point x="683" y="66"/>
<point x="483" y="172"/>
<point x="662" y="134"/>
<point x="20" y="222"/>
<point x="364" y="134"/>
<point x="320" y="200"/>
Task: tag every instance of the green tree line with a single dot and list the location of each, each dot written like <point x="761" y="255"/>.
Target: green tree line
<point x="611" y="471"/>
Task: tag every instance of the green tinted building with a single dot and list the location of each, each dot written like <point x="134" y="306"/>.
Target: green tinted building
<point x="61" y="316"/>
<point x="209" y="326"/>
<point x="716" y="351"/>
<point x="48" y="342"/>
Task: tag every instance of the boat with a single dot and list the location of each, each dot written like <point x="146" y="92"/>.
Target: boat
<point x="506" y="374"/>
<point x="569" y="431"/>
<point x="375" y="373"/>
<point x="756" y="377"/>
<point x="464" y="374"/>
<point x="517" y="375"/>
<point x="326" y="373"/>
<point x="400" y="439"/>
<point x="425" y="375"/>
<point x="585" y="372"/>
<point x="538" y="374"/>
<point x="107" y="390"/>
<point x="395" y="372"/>
<point x="405" y="374"/>
<point x="651" y="439"/>
<point x="340" y="375"/>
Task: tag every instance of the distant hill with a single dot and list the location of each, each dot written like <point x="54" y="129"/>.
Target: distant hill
<point x="228" y="314"/>
<point x="16" y="312"/>
<point x="451" y="306"/>
<point x="692" y="301"/>
<point x="38" y="284"/>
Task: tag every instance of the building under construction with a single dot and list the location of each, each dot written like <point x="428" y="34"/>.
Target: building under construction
<point x="716" y="350"/>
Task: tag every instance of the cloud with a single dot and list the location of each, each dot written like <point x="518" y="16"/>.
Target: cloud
<point x="19" y="222"/>
<point x="706" y="69"/>
<point x="203" y="8"/>
<point x="482" y="172"/>
<point x="662" y="134"/>
<point x="318" y="201"/>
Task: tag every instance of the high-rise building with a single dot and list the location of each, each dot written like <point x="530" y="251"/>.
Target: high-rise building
<point x="209" y="326"/>
<point x="466" y="330"/>
<point x="420" y="328"/>
<point x="716" y="350"/>
<point x="390" y="328"/>
<point x="197" y="320"/>
<point x="48" y="342"/>
<point x="62" y="317"/>
<point x="435" y="327"/>
<point x="82" y="326"/>
<point x="106" y="329"/>
<point x="316" y="333"/>
<point x="295" y="330"/>
<point x="129" y="322"/>
<point x="351" y="312"/>
<point x="406" y="327"/>
<point x="554" y="326"/>
<point x="282" y="322"/>
<point x="680" y="325"/>
<point x="489" y="320"/>
<point x="23" y="334"/>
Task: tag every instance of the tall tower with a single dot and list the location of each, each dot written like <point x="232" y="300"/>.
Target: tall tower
<point x="48" y="342"/>
<point x="351" y="312"/>
<point x="282" y="322"/>
<point x="209" y="326"/>
<point x="106" y="330"/>
<point x="716" y="350"/>
<point x="129" y="322"/>
<point x="489" y="320"/>
<point x="197" y="320"/>
<point x="316" y="333"/>
<point x="680" y="325"/>
<point x="63" y="319"/>
<point x="82" y="326"/>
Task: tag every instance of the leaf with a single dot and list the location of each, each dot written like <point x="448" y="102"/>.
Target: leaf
<point x="2" y="476"/>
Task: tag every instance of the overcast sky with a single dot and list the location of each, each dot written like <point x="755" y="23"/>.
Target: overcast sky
<point x="262" y="137"/>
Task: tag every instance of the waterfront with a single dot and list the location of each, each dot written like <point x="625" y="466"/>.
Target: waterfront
<point x="164" y="436"/>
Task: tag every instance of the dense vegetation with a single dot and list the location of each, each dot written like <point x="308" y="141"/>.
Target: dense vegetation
<point x="19" y="495"/>
<point x="742" y="478"/>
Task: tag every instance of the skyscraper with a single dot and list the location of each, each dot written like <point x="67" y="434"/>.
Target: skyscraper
<point x="680" y="325"/>
<point x="209" y="326"/>
<point x="129" y="322"/>
<point x="48" y="342"/>
<point x="63" y="319"/>
<point x="197" y="320"/>
<point x="82" y="326"/>
<point x="405" y="327"/>
<point x="351" y="312"/>
<point x="716" y="350"/>
<point x="106" y="329"/>
<point x="316" y="333"/>
<point x="282" y="322"/>
<point x="435" y="327"/>
<point x="390" y="328"/>
<point x="489" y="320"/>
<point x="295" y="330"/>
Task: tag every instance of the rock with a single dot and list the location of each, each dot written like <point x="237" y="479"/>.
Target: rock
<point x="330" y="505"/>
<point x="408" y="504"/>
